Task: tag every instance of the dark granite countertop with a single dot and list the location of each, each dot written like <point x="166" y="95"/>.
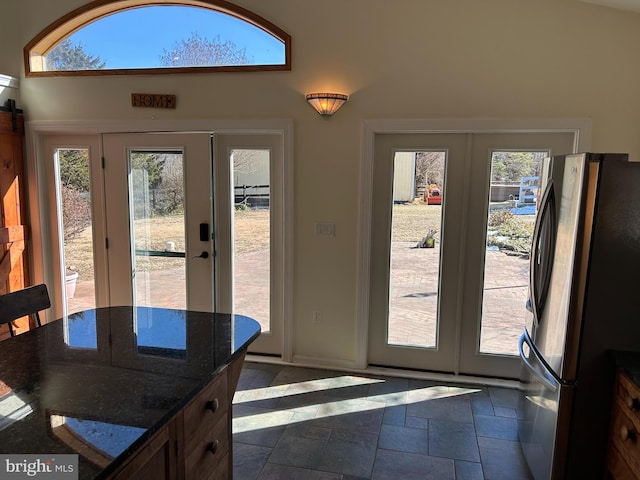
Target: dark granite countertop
<point x="109" y="378"/>
<point x="629" y="362"/>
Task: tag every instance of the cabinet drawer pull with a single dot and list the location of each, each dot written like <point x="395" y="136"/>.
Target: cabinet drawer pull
<point x="627" y="433"/>
<point x="213" y="405"/>
<point x="633" y="403"/>
<point x="212" y="447"/>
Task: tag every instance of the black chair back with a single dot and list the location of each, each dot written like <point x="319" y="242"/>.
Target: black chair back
<point x="28" y="301"/>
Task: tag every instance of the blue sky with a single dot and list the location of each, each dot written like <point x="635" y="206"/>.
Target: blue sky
<point x="137" y="37"/>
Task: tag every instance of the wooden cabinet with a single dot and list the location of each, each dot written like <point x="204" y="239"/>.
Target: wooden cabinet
<point x="207" y="428"/>
<point x="196" y="443"/>
<point x="623" y="456"/>
<point x="157" y="460"/>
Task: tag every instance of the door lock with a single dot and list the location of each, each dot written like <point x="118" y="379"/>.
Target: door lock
<point x="204" y="232"/>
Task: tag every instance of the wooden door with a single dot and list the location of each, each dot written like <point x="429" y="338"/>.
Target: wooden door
<point x="14" y="267"/>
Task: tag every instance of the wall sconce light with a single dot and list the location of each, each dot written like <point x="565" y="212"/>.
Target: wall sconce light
<point x="326" y="104"/>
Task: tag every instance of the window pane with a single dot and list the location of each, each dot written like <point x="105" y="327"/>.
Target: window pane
<point x="74" y="191"/>
<point x="251" y="234"/>
<point x="513" y="203"/>
<point x="191" y="36"/>
<point x="415" y="248"/>
<point x="158" y="231"/>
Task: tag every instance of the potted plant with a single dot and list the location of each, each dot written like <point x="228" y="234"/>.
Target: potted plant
<point x="428" y="241"/>
<point x="71" y="278"/>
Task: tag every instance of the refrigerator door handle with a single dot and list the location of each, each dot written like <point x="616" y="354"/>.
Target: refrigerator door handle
<point x="533" y="267"/>
<point x="540" y="268"/>
<point x="542" y="373"/>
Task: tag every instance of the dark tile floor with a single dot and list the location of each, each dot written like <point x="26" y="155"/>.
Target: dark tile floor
<point x="301" y="423"/>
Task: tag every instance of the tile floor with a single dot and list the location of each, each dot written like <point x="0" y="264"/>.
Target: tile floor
<point x="301" y="423"/>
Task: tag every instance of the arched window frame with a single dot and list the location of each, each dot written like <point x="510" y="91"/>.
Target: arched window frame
<point x="82" y="16"/>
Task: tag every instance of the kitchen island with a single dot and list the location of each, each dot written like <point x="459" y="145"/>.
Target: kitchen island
<point x="134" y="392"/>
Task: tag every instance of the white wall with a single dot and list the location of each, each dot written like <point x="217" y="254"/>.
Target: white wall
<point x="400" y="59"/>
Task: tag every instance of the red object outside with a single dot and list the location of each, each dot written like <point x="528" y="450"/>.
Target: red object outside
<point x="433" y="195"/>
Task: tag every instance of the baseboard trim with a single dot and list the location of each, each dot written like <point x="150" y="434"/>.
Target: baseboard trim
<point x="349" y="367"/>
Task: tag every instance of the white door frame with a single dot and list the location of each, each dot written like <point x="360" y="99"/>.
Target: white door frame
<point x="580" y="127"/>
<point x="36" y="131"/>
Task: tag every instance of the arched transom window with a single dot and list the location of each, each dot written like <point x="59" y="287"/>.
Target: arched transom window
<point x="120" y="37"/>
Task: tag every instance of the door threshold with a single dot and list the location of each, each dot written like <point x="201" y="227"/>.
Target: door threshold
<point x="395" y="372"/>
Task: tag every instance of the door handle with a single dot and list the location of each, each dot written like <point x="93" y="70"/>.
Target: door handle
<point x="204" y="254"/>
<point x="539" y="272"/>
<point x="542" y="374"/>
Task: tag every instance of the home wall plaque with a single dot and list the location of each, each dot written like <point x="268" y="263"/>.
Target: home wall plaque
<point x="153" y="100"/>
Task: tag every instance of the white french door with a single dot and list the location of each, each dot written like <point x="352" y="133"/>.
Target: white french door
<point x="457" y="307"/>
<point x="177" y="220"/>
<point x="496" y="272"/>
<point x="74" y="224"/>
<point x="158" y="202"/>
<point x="250" y="232"/>
<point x="405" y="328"/>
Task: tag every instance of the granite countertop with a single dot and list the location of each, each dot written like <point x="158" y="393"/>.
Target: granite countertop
<point x="106" y="379"/>
<point x="629" y="362"/>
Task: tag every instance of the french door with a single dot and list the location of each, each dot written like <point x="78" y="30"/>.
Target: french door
<point x="177" y="220"/>
<point x="158" y="195"/>
<point x="250" y="273"/>
<point x="405" y="328"/>
<point x="73" y="224"/>
<point x="460" y="305"/>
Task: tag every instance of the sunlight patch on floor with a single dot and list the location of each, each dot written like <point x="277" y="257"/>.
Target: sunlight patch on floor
<point x="327" y="407"/>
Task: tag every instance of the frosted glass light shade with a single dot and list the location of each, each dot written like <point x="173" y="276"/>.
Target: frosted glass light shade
<point x="326" y="104"/>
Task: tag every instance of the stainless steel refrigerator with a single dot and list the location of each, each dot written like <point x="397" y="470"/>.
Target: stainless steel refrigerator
<point x="584" y="295"/>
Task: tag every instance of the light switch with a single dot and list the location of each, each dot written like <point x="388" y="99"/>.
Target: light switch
<point x="325" y="229"/>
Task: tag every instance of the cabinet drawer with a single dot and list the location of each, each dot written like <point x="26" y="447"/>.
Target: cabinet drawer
<point x="209" y="452"/>
<point x="629" y="396"/>
<point x="617" y="468"/>
<point x="222" y="472"/>
<point x="204" y="412"/>
<point x="625" y="436"/>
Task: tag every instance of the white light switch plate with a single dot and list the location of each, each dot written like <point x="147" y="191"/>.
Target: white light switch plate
<point x="325" y="229"/>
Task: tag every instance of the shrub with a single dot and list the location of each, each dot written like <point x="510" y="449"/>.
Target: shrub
<point x="500" y="217"/>
<point x="76" y="212"/>
<point x="510" y="232"/>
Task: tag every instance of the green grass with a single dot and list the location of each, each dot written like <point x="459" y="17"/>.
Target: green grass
<point x="410" y="223"/>
<point x="251" y="234"/>
<point x="412" y="220"/>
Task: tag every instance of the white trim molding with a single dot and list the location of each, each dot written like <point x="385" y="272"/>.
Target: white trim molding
<point x="323" y="362"/>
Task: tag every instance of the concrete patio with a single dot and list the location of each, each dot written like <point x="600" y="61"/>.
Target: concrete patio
<point x="413" y="299"/>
